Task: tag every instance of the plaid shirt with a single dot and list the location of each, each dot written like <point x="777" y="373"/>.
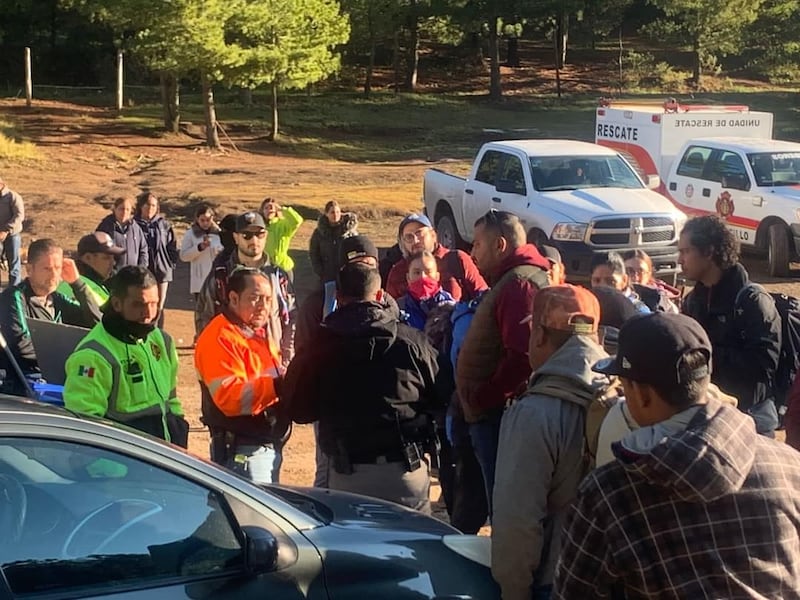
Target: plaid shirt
<point x="712" y="512"/>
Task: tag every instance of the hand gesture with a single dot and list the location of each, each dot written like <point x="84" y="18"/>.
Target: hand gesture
<point x="69" y="271"/>
<point x="3" y="236"/>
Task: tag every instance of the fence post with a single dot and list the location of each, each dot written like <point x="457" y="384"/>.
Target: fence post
<point x="28" y="78"/>
<point x="119" y="80"/>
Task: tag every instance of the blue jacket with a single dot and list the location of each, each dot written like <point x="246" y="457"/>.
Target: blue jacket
<point x="129" y="236"/>
<point x="416" y="312"/>
<point x="161" y="246"/>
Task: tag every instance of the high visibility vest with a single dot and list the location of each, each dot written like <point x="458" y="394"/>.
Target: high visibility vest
<point x="123" y="382"/>
<point x="98" y="291"/>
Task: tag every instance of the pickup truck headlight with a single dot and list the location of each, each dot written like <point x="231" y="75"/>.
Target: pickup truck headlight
<point x="569" y="232"/>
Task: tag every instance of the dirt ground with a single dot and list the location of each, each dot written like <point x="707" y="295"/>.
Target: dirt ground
<point x="89" y="157"/>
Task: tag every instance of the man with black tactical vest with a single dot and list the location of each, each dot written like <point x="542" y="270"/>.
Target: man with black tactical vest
<point x="126" y="369"/>
<point x="239" y="366"/>
<point x="96" y="257"/>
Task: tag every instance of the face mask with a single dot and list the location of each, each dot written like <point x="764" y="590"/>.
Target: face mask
<point x="423" y="288"/>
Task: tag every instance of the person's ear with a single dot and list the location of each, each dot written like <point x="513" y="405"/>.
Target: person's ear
<point x="538" y="336"/>
<point x="437" y="276"/>
<point x="233" y="300"/>
<point x="625" y="280"/>
<point x="501" y="244"/>
<point x="408" y="277"/>
<point x="116" y="304"/>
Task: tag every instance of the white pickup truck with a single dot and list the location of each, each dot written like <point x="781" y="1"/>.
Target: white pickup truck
<point x="716" y="160"/>
<point x="580" y="197"/>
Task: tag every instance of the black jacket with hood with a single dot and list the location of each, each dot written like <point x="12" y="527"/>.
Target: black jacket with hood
<point x="746" y="339"/>
<point x="323" y="249"/>
<point x="366" y="378"/>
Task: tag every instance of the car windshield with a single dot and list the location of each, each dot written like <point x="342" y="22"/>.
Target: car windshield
<point x="775" y="168"/>
<point x="552" y="173"/>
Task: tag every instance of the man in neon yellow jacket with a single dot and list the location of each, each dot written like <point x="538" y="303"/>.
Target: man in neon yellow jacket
<point x="96" y="257"/>
<point x="282" y="223"/>
<point x="126" y="369"/>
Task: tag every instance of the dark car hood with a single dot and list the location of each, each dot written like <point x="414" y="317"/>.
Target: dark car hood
<point x="351" y="511"/>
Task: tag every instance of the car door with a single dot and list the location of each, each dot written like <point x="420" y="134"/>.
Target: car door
<point x="511" y="188"/>
<point x="736" y="203"/>
<point x="479" y="190"/>
<point x="688" y="186"/>
<point x="84" y="521"/>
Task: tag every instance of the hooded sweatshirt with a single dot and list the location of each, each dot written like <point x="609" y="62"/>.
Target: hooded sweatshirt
<point x="323" y="249"/>
<point x="493" y="361"/>
<point x="540" y="462"/>
<point x="702" y="510"/>
<point x="365" y="375"/>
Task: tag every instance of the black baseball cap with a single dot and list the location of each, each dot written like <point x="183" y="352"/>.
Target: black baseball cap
<point x="354" y="247"/>
<point x="652" y="347"/>
<point x="98" y="242"/>
<point x="615" y="307"/>
<point x="249" y="220"/>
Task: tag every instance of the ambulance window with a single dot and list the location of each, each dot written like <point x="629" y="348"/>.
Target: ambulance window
<point x="487" y="170"/>
<point x="511" y="174"/>
<point x="693" y="162"/>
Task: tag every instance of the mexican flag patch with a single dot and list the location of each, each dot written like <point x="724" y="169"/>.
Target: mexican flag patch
<point x="86" y="371"/>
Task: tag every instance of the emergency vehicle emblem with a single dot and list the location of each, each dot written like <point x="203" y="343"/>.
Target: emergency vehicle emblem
<point x="725" y="206"/>
<point x="689" y="190"/>
<point x="154" y="348"/>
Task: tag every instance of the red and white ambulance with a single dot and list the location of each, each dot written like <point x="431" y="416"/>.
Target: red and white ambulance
<point x="715" y="160"/>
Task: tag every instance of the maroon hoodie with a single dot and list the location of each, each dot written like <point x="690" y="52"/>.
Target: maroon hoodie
<point x="512" y="306"/>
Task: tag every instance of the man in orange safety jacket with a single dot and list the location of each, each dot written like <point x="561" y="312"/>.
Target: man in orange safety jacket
<point x="240" y="375"/>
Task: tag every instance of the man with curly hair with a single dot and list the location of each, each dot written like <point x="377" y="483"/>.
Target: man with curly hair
<point x="740" y="318"/>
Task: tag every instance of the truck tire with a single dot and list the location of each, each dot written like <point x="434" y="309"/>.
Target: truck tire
<point x="447" y="232"/>
<point x="778" y="250"/>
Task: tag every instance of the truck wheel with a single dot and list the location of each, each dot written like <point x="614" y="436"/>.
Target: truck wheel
<point x="778" y="250"/>
<point x="447" y="232"/>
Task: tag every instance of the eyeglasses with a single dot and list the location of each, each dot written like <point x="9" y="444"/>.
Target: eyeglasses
<point x="413" y="236"/>
<point x="249" y="235"/>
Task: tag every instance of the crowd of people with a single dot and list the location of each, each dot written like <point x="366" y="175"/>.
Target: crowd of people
<point x="617" y="437"/>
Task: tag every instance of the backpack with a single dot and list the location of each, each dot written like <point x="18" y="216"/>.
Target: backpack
<point x="788" y="308"/>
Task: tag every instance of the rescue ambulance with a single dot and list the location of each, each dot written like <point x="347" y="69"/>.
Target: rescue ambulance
<point x="715" y="160"/>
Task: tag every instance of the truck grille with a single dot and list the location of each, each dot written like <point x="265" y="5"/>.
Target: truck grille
<point x="631" y="231"/>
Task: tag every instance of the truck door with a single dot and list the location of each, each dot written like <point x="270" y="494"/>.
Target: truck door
<point x="687" y="186"/>
<point x="734" y="202"/>
<point x="480" y="189"/>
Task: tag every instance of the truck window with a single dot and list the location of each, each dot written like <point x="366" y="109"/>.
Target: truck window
<point x="775" y="168"/>
<point x="694" y="161"/>
<point x="511" y="174"/>
<point x="727" y="168"/>
<point x="487" y="170"/>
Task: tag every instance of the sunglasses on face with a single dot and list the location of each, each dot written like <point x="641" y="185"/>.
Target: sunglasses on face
<point x="249" y="235"/>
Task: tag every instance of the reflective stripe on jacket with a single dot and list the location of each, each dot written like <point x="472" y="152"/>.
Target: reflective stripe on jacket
<point x="98" y="292"/>
<point x="124" y="382"/>
<point x="238" y="367"/>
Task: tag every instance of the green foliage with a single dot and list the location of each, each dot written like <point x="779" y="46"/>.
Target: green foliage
<point x="775" y="43"/>
<point x="712" y="28"/>
<point x="640" y="70"/>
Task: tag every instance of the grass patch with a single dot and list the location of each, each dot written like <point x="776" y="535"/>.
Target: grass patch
<point x="345" y="126"/>
<point x="14" y="149"/>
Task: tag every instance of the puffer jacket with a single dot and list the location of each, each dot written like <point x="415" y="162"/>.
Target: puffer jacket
<point x="162" y="247"/>
<point x="129" y="236"/>
<point x="323" y="248"/>
<point x="365" y="374"/>
<point x="540" y="462"/>
<point x="746" y="340"/>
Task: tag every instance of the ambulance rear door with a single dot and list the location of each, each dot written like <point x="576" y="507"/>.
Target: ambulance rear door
<point x="634" y="133"/>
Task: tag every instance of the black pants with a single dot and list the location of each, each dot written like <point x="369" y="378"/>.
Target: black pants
<point x="462" y="486"/>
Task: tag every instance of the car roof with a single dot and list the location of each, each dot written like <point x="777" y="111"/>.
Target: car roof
<point x="746" y="145"/>
<point x="551" y="147"/>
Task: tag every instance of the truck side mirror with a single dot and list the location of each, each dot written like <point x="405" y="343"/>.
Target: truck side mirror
<point x="653" y="182"/>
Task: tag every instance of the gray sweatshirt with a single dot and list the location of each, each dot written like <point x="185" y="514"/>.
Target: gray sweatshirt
<point x="12" y="211"/>
<point x="540" y="462"/>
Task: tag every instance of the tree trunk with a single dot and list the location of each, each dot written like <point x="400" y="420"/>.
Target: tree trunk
<point x="212" y="135"/>
<point x="475" y="49"/>
<point x="170" y="101"/>
<point x="246" y="97"/>
<point x="512" y="55"/>
<point x="495" y="89"/>
<point x="412" y="58"/>
<point x="563" y="37"/>
<point x="396" y="62"/>
<point x="697" y="70"/>
<point x="557" y="56"/>
<point x="370" y="70"/>
<point x="273" y="134"/>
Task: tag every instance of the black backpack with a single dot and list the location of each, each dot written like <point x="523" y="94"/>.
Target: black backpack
<point x="789" y="361"/>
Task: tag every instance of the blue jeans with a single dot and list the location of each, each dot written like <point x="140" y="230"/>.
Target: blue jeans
<point x="541" y="592"/>
<point x="766" y="417"/>
<point x="485" y="438"/>
<point x="12" y="247"/>
<point x="260" y="464"/>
